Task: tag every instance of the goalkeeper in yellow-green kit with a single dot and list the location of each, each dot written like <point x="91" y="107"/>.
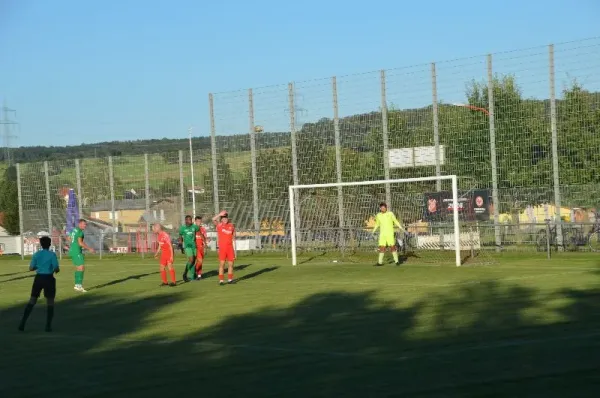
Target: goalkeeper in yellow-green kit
<point x="385" y="221"/>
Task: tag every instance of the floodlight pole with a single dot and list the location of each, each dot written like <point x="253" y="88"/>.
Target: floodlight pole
<point x="192" y="172"/>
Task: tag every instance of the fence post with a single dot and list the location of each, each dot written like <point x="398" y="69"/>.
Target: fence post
<point x="436" y="130"/>
<point x="555" y="166"/>
<point x="338" y="159"/>
<point x="255" y="207"/>
<point x="101" y="243"/>
<point x="111" y="182"/>
<point x="385" y="139"/>
<point x="21" y="221"/>
<point x="79" y="193"/>
<point x="295" y="179"/>
<point x="213" y="150"/>
<point x="181" y="189"/>
<point x="48" y="200"/>
<point x="147" y="194"/>
<point x="495" y="201"/>
<point x="548" y="238"/>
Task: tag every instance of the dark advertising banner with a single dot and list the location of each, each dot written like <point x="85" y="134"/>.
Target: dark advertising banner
<point x="472" y="205"/>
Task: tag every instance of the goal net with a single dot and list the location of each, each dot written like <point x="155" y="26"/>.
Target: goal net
<point x="440" y="224"/>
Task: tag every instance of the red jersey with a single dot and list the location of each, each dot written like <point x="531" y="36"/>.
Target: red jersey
<point x="164" y="241"/>
<point x="200" y="234"/>
<point x="225" y="234"/>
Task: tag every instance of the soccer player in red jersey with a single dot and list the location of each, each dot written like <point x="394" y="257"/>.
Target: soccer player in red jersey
<point x="201" y="241"/>
<point x="165" y="249"/>
<point x="225" y="240"/>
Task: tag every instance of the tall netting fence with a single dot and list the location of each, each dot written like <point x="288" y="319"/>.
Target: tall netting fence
<point x="519" y="129"/>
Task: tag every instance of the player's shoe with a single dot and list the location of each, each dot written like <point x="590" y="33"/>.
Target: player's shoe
<point x="185" y="277"/>
<point x="78" y="288"/>
<point x="21" y="328"/>
<point x="377" y="265"/>
<point x="163" y="284"/>
<point x="221" y="283"/>
<point x="82" y="290"/>
<point x="48" y="329"/>
<point x="199" y="277"/>
<point x="230" y="282"/>
<point x="172" y="284"/>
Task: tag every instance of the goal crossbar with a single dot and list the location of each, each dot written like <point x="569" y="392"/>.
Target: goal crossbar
<point x="453" y="179"/>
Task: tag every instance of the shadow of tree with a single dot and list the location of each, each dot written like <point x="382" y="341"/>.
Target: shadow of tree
<point x="479" y="339"/>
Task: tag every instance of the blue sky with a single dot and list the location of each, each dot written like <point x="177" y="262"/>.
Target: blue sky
<point x="88" y="71"/>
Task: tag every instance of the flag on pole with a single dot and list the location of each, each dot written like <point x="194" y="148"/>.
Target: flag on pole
<point x="72" y="211"/>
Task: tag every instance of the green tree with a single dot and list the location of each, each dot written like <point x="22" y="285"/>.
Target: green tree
<point x="273" y="172"/>
<point x="231" y="187"/>
<point x="578" y="145"/>
<point x="9" y="203"/>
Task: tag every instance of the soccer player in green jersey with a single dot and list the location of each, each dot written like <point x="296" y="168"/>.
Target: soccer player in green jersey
<point x="76" y="253"/>
<point x="45" y="263"/>
<point x="187" y="238"/>
<point x="385" y="222"/>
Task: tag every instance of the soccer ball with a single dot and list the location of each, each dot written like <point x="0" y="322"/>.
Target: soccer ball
<point x="258" y="129"/>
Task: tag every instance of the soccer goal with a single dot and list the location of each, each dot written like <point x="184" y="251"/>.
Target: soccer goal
<point x="338" y="219"/>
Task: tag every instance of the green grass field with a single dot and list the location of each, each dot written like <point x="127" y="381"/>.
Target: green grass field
<point x="523" y="327"/>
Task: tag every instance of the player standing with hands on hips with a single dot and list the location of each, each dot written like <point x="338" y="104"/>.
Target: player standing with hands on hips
<point x="225" y="240"/>
<point x="385" y="222"/>
<point x="45" y="263"/>
<point x="187" y="238"/>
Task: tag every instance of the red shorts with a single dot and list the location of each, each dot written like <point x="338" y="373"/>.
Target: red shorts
<point x="200" y="252"/>
<point x="226" y="253"/>
<point x="166" y="259"/>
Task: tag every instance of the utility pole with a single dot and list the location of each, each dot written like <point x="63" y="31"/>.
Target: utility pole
<point x="7" y="135"/>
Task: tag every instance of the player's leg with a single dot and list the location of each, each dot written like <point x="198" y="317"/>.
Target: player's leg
<point x="36" y="289"/>
<point x="171" y="270"/>
<point x="189" y="255"/>
<point x="163" y="273"/>
<point x="231" y="258"/>
<point x="381" y="248"/>
<point x="192" y="263"/>
<point x="199" y="262"/>
<point x="79" y="263"/>
<point x="50" y="294"/>
<point x="222" y="259"/>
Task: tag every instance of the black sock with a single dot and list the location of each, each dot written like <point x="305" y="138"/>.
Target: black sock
<point x="26" y="314"/>
<point x="49" y="316"/>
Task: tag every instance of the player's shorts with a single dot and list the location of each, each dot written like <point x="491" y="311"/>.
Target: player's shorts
<point x="387" y="241"/>
<point x="226" y="253"/>
<point x="77" y="259"/>
<point x="47" y="283"/>
<point x="166" y="259"/>
<point x="190" y="251"/>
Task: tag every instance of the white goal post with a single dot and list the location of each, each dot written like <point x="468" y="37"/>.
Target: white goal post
<point x="455" y="207"/>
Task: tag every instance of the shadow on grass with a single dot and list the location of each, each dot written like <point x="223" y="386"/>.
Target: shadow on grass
<point x="123" y="280"/>
<point x="12" y="274"/>
<point x="480" y="339"/>
<point x="18" y="278"/>
<point x="214" y="273"/>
